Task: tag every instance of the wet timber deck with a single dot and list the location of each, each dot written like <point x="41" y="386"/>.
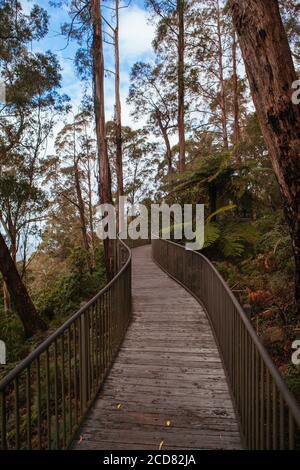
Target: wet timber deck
<point x="167" y="388"/>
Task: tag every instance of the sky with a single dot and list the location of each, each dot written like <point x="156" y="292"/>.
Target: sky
<point x="136" y="35"/>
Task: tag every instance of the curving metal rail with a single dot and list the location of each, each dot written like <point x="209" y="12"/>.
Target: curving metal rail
<point x="268" y="413"/>
<point x="43" y="400"/>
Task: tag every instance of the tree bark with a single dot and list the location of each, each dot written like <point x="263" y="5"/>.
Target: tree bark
<point x="181" y="85"/>
<point x="23" y="304"/>
<point x="165" y="136"/>
<point x="236" y="106"/>
<point x="221" y="79"/>
<point x="119" y="158"/>
<point x="98" y="75"/>
<point x="81" y="209"/>
<point x="80" y="203"/>
<point x="91" y="221"/>
<point x="271" y="72"/>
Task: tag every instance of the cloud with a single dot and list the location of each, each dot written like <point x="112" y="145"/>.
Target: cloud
<point x="135" y="38"/>
<point x="136" y="33"/>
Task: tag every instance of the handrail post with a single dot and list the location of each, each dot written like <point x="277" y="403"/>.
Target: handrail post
<point x="3" y="420"/>
<point x="84" y="362"/>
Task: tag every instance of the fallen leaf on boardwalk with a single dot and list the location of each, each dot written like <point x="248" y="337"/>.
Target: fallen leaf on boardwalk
<point x="161" y="445"/>
<point x="80" y="440"/>
<point x="168" y="424"/>
<point x="119" y="406"/>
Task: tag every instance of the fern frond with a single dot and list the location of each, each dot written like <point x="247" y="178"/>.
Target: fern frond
<point x="221" y="210"/>
<point x="211" y="234"/>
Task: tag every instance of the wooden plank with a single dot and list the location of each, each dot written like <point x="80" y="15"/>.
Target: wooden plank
<point x="180" y="420"/>
<point x="169" y="407"/>
<point x="213" y="440"/>
<point x="168" y="370"/>
<point x="188" y="386"/>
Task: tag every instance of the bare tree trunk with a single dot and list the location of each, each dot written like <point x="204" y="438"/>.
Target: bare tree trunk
<point x="221" y="79"/>
<point x="236" y="106"/>
<point x="80" y="202"/>
<point x="271" y="72"/>
<point x="13" y="240"/>
<point x="81" y="209"/>
<point x="181" y="85"/>
<point x="90" y="202"/>
<point x="91" y="224"/>
<point x="23" y="304"/>
<point x="119" y="159"/>
<point x="165" y="136"/>
<point x="98" y="75"/>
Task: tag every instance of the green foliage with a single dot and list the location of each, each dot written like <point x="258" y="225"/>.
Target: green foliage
<point x="231" y="238"/>
<point x="11" y="331"/>
<point x="212" y="234"/>
<point x="221" y="210"/>
<point x="67" y="292"/>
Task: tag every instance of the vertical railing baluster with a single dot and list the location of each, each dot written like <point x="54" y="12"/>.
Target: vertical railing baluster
<point x="262" y="405"/>
<point x="249" y="389"/>
<point x="69" y="384"/>
<point x="38" y="394"/>
<point x="75" y="372"/>
<point x="63" y="396"/>
<point x="281" y="422"/>
<point x="80" y="347"/>
<point x="90" y="360"/>
<point x="17" y="412"/>
<point x="109" y="325"/>
<point x="57" y="440"/>
<point x="274" y="419"/>
<point x="240" y="373"/>
<point x="256" y="400"/>
<point x="101" y="337"/>
<point x="106" y="331"/>
<point x="48" y="398"/>
<point x="84" y="363"/>
<point x="268" y="398"/>
<point x="3" y="420"/>
<point x="253" y="401"/>
<point x="291" y="432"/>
<point x="96" y="346"/>
<point x="28" y="407"/>
<point x="91" y="350"/>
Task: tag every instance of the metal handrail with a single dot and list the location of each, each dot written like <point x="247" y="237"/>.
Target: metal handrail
<point x="268" y="413"/>
<point x="42" y="407"/>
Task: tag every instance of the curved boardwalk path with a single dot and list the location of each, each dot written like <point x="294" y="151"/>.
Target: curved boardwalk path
<point x="167" y="386"/>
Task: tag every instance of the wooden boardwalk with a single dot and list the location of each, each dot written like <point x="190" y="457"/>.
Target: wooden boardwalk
<point x="167" y="388"/>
